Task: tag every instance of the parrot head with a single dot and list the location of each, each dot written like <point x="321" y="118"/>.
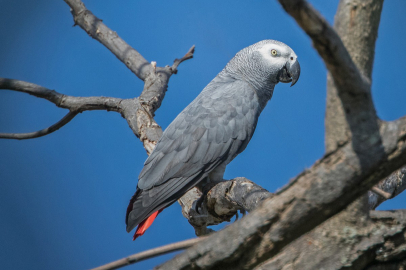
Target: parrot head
<point x="267" y="61"/>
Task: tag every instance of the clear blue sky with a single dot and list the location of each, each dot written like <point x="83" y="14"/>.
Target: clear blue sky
<point x="63" y="197"/>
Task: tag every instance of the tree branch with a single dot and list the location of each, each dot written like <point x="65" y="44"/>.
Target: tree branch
<point x="223" y="201"/>
<point x="99" y="31"/>
<point x="22" y="136"/>
<point x="392" y="185"/>
<point x="329" y="46"/>
<point x="322" y="191"/>
<point x="140" y="119"/>
<point x="357" y="23"/>
<point x="381" y="192"/>
<point x="340" y="243"/>
<point x="350" y="110"/>
<point x="74" y="104"/>
<point x="348" y="52"/>
<point x="32" y="89"/>
<point x="149" y="254"/>
<point x="187" y="56"/>
<point x="137" y="111"/>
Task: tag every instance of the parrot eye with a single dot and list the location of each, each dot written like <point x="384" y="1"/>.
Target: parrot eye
<point x="274" y="52"/>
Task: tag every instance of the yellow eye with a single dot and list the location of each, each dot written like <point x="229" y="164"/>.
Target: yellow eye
<point x="274" y="52"/>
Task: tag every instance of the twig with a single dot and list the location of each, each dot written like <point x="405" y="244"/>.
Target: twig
<point x="187" y="56"/>
<point x="74" y="104"/>
<point x="382" y="193"/>
<point x="32" y="89"/>
<point x="22" y="136"/>
<point x="149" y="254"/>
<point x="394" y="185"/>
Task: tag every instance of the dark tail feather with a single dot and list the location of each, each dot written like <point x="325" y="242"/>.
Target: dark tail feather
<point x="144" y="225"/>
<point x="130" y="205"/>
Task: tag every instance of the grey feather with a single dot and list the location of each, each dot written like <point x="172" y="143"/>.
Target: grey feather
<point x="210" y="131"/>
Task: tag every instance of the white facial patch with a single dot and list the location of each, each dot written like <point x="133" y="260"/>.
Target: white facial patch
<point x="283" y="52"/>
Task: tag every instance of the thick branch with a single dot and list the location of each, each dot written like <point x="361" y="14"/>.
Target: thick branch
<point x="329" y="45"/>
<point x="350" y="74"/>
<point x="357" y="24"/>
<point x="322" y="191"/>
<point x="222" y="202"/>
<point x="340" y="243"/>
<point x="99" y="31"/>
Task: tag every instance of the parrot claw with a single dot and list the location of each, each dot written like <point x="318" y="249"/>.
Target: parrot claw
<point x="200" y="201"/>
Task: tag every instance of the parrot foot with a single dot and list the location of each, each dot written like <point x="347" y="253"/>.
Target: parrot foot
<point x="200" y="201"/>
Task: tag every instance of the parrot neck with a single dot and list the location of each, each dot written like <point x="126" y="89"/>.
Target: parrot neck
<point x="260" y="83"/>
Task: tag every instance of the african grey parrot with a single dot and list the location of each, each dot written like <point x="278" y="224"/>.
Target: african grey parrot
<point x="212" y="130"/>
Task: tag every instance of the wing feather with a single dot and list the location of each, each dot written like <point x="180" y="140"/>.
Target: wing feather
<point x="212" y="130"/>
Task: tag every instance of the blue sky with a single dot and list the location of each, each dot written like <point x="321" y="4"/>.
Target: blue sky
<point x="63" y="196"/>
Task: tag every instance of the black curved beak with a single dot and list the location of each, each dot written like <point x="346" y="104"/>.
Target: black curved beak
<point x="290" y="73"/>
<point x="294" y="72"/>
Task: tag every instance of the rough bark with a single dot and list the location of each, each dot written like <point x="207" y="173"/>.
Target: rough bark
<point x="393" y="184"/>
<point x="346" y="243"/>
<point x="223" y="201"/>
<point x="356" y="22"/>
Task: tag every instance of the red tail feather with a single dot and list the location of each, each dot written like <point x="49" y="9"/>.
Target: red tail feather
<point x="144" y="225"/>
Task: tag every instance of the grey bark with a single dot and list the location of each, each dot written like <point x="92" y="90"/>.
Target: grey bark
<point x="356" y="22"/>
<point x="394" y="184"/>
<point x="223" y="202"/>
<point x="346" y="243"/>
<point x="99" y="31"/>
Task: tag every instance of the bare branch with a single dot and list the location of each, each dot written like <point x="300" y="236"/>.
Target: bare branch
<point x="393" y="185"/>
<point x="382" y="193"/>
<point x="149" y="254"/>
<point x="99" y="31"/>
<point x="74" y="104"/>
<point x="329" y="45"/>
<point x="138" y="112"/>
<point x="187" y="56"/>
<point x="139" y="118"/>
<point x="350" y="111"/>
<point x="356" y="22"/>
<point x="32" y="89"/>
<point x="223" y="201"/>
<point x="22" y="136"/>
